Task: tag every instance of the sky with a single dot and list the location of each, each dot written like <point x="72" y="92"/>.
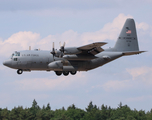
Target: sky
<point x="39" y="23"/>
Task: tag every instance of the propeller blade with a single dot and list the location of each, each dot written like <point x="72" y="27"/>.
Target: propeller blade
<point x="64" y="44"/>
<point x="53" y="50"/>
<point x="62" y="47"/>
<point x="57" y="53"/>
<point x="53" y="45"/>
<point x="60" y="44"/>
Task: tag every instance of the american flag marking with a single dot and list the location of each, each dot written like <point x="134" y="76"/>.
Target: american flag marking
<point x="128" y="32"/>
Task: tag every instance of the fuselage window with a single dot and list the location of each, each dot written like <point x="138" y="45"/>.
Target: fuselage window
<point x="15" y="59"/>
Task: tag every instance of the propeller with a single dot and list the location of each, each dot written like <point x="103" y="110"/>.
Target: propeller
<point x="59" y="53"/>
<point x="62" y="47"/>
<point x="53" y="52"/>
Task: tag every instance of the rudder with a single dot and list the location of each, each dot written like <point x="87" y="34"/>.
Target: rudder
<point x="127" y="40"/>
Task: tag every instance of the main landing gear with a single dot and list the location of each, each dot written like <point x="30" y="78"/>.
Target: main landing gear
<point x="65" y="73"/>
<point x="58" y="73"/>
<point x="19" y="71"/>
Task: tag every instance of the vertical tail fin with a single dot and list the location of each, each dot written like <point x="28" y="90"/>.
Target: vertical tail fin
<point x="127" y="40"/>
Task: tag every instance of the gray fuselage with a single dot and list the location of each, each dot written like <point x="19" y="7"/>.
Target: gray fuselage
<point x="38" y="60"/>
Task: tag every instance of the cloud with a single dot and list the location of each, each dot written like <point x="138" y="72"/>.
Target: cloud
<point x="18" y="41"/>
<point x="110" y="31"/>
<point x="22" y="40"/>
<point x="137" y="77"/>
<point x="143" y="26"/>
<point x="144" y="31"/>
<point x="136" y="72"/>
<point x="141" y="74"/>
<point x="70" y="37"/>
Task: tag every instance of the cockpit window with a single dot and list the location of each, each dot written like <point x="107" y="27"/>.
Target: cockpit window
<point x="12" y="56"/>
<point x="15" y="59"/>
<point x="15" y="54"/>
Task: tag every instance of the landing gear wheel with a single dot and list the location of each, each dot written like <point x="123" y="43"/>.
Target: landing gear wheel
<point x="65" y="73"/>
<point x="58" y="73"/>
<point x="73" y="72"/>
<point x="19" y="71"/>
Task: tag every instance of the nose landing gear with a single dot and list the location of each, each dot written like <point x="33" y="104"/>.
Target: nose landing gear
<point x="19" y="71"/>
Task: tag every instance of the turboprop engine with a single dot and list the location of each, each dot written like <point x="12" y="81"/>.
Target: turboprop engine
<point x="56" y="65"/>
<point x="59" y="66"/>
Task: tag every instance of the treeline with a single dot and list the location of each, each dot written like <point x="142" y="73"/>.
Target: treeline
<point x="92" y="112"/>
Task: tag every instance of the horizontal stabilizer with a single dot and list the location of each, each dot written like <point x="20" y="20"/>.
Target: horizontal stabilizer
<point x="132" y="52"/>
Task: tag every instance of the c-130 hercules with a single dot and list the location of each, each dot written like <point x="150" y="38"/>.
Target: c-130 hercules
<point x="73" y="59"/>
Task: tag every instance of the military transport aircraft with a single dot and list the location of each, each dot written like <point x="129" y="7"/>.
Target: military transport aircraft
<point x="72" y="59"/>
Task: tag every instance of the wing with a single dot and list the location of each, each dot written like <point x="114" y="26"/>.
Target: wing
<point x="93" y="48"/>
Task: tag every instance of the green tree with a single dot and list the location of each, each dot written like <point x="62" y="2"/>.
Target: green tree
<point x="5" y="114"/>
<point x="90" y="107"/>
<point x="34" y="105"/>
<point x="92" y="112"/>
<point x="48" y="107"/>
<point x="33" y="110"/>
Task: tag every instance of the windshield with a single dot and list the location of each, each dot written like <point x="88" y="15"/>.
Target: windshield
<point x="15" y="54"/>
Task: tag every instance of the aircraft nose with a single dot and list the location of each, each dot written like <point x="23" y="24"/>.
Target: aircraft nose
<point x="7" y="63"/>
<point x="4" y="63"/>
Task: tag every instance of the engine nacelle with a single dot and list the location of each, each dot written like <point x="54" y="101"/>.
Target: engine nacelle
<point x="56" y="65"/>
<point x="71" y="50"/>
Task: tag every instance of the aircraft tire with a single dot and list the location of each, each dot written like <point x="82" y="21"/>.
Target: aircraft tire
<point x="58" y="73"/>
<point x="19" y="71"/>
<point x="73" y="72"/>
<point x="65" y="73"/>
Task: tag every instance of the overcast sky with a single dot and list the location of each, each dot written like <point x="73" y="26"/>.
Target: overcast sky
<point x="77" y="22"/>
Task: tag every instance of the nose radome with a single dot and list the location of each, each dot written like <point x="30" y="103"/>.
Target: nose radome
<point x="4" y="63"/>
<point x="7" y="63"/>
